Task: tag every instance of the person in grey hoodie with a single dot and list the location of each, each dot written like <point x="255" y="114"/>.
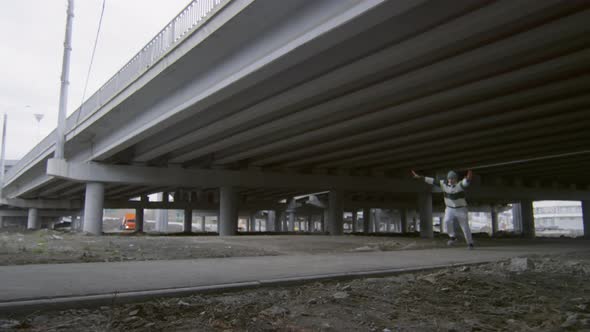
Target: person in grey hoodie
<point x="455" y="202"/>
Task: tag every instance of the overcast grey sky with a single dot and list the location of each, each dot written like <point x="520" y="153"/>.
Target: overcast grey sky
<point x="32" y="36"/>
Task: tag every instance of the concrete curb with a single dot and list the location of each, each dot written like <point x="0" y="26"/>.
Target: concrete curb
<point x="109" y="299"/>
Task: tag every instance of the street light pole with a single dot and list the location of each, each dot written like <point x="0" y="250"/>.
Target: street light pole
<point x="3" y="151"/>
<point x="65" y="74"/>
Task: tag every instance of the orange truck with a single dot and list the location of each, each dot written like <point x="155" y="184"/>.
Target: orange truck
<point x="128" y="222"/>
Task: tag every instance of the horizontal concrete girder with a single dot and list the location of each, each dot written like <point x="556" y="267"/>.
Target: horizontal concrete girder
<point x="187" y="178"/>
<point x="86" y="172"/>
<point x="42" y="213"/>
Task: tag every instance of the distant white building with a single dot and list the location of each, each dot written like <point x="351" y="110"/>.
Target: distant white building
<point x="558" y="216"/>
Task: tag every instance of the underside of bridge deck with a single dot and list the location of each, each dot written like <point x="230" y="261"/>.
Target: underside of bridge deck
<point x="278" y="100"/>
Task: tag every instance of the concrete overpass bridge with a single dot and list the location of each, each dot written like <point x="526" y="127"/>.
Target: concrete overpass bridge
<point x="239" y="104"/>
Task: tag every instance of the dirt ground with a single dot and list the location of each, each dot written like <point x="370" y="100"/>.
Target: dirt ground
<point x="49" y="246"/>
<point x="542" y="293"/>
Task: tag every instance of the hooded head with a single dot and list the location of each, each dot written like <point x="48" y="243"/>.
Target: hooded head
<point x="452" y="177"/>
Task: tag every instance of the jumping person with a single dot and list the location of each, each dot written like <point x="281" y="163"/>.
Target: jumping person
<point x="456" y="205"/>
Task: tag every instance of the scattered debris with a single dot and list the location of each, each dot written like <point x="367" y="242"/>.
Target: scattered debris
<point x="340" y="295"/>
<point x="275" y="311"/>
<point x="520" y="264"/>
<point x="363" y="249"/>
<point x="9" y="323"/>
<point x="181" y="303"/>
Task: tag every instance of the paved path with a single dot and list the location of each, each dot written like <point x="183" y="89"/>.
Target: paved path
<point x="97" y="283"/>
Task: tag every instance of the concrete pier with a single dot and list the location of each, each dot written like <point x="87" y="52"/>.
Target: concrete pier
<point x="228" y="211"/>
<point x="517" y="218"/>
<point x="403" y="215"/>
<point x="425" y="208"/>
<point x="93" y="208"/>
<point x="335" y="213"/>
<point x="366" y="220"/>
<point x="252" y="222"/>
<point x="162" y="215"/>
<point x="139" y="219"/>
<point x="586" y="218"/>
<point x="528" y="219"/>
<point x="33" y="221"/>
<point x="188" y="221"/>
<point x="494" y="218"/>
<point x="273" y="221"/>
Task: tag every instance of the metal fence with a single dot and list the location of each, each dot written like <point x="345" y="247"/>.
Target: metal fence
<point x="189" y="20"/>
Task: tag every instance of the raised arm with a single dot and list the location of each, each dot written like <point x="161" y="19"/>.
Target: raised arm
<point x="425" y="178"/>
<point x="467" y="179"/>
<point x="416" y="175"/>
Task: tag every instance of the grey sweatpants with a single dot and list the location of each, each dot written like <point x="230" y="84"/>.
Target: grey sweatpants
<point x="459" y="214"/>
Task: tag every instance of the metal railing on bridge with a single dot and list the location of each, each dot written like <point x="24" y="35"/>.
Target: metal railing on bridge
<point x="187" y="21"/>
<point x="190" y="18"/>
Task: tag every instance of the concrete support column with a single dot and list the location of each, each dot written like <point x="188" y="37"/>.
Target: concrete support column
<point x="366" y="220"/>
<point x="228" y="211"/>
<point x="376" y="218"/>
<point x="291" y="217"/>
<point x="425" y="207"/>
<point x="251" y="225"/>
<point x="139" y="218"/>
<point x="75" y="222"/>
<point x="274" y="221"/>
<point x="310" y="227"/>
<point x="403" y="216"/>
<point x="517" y="218"/>
<point x="93" y="208"/>
<point x="33" y="222"/>
<point x="528" y="219"/>
<point x="188" y="221"/>
<point x="586" y="218"/>
<point x="354" y="221"/>
<point x="325" y="218"/>
<point x="335" y="213"/>
<point x="203" y="224"/>
<point x="284" y="222"/>
<point x="494" y="217"/>
<point x="162" y="215"/>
